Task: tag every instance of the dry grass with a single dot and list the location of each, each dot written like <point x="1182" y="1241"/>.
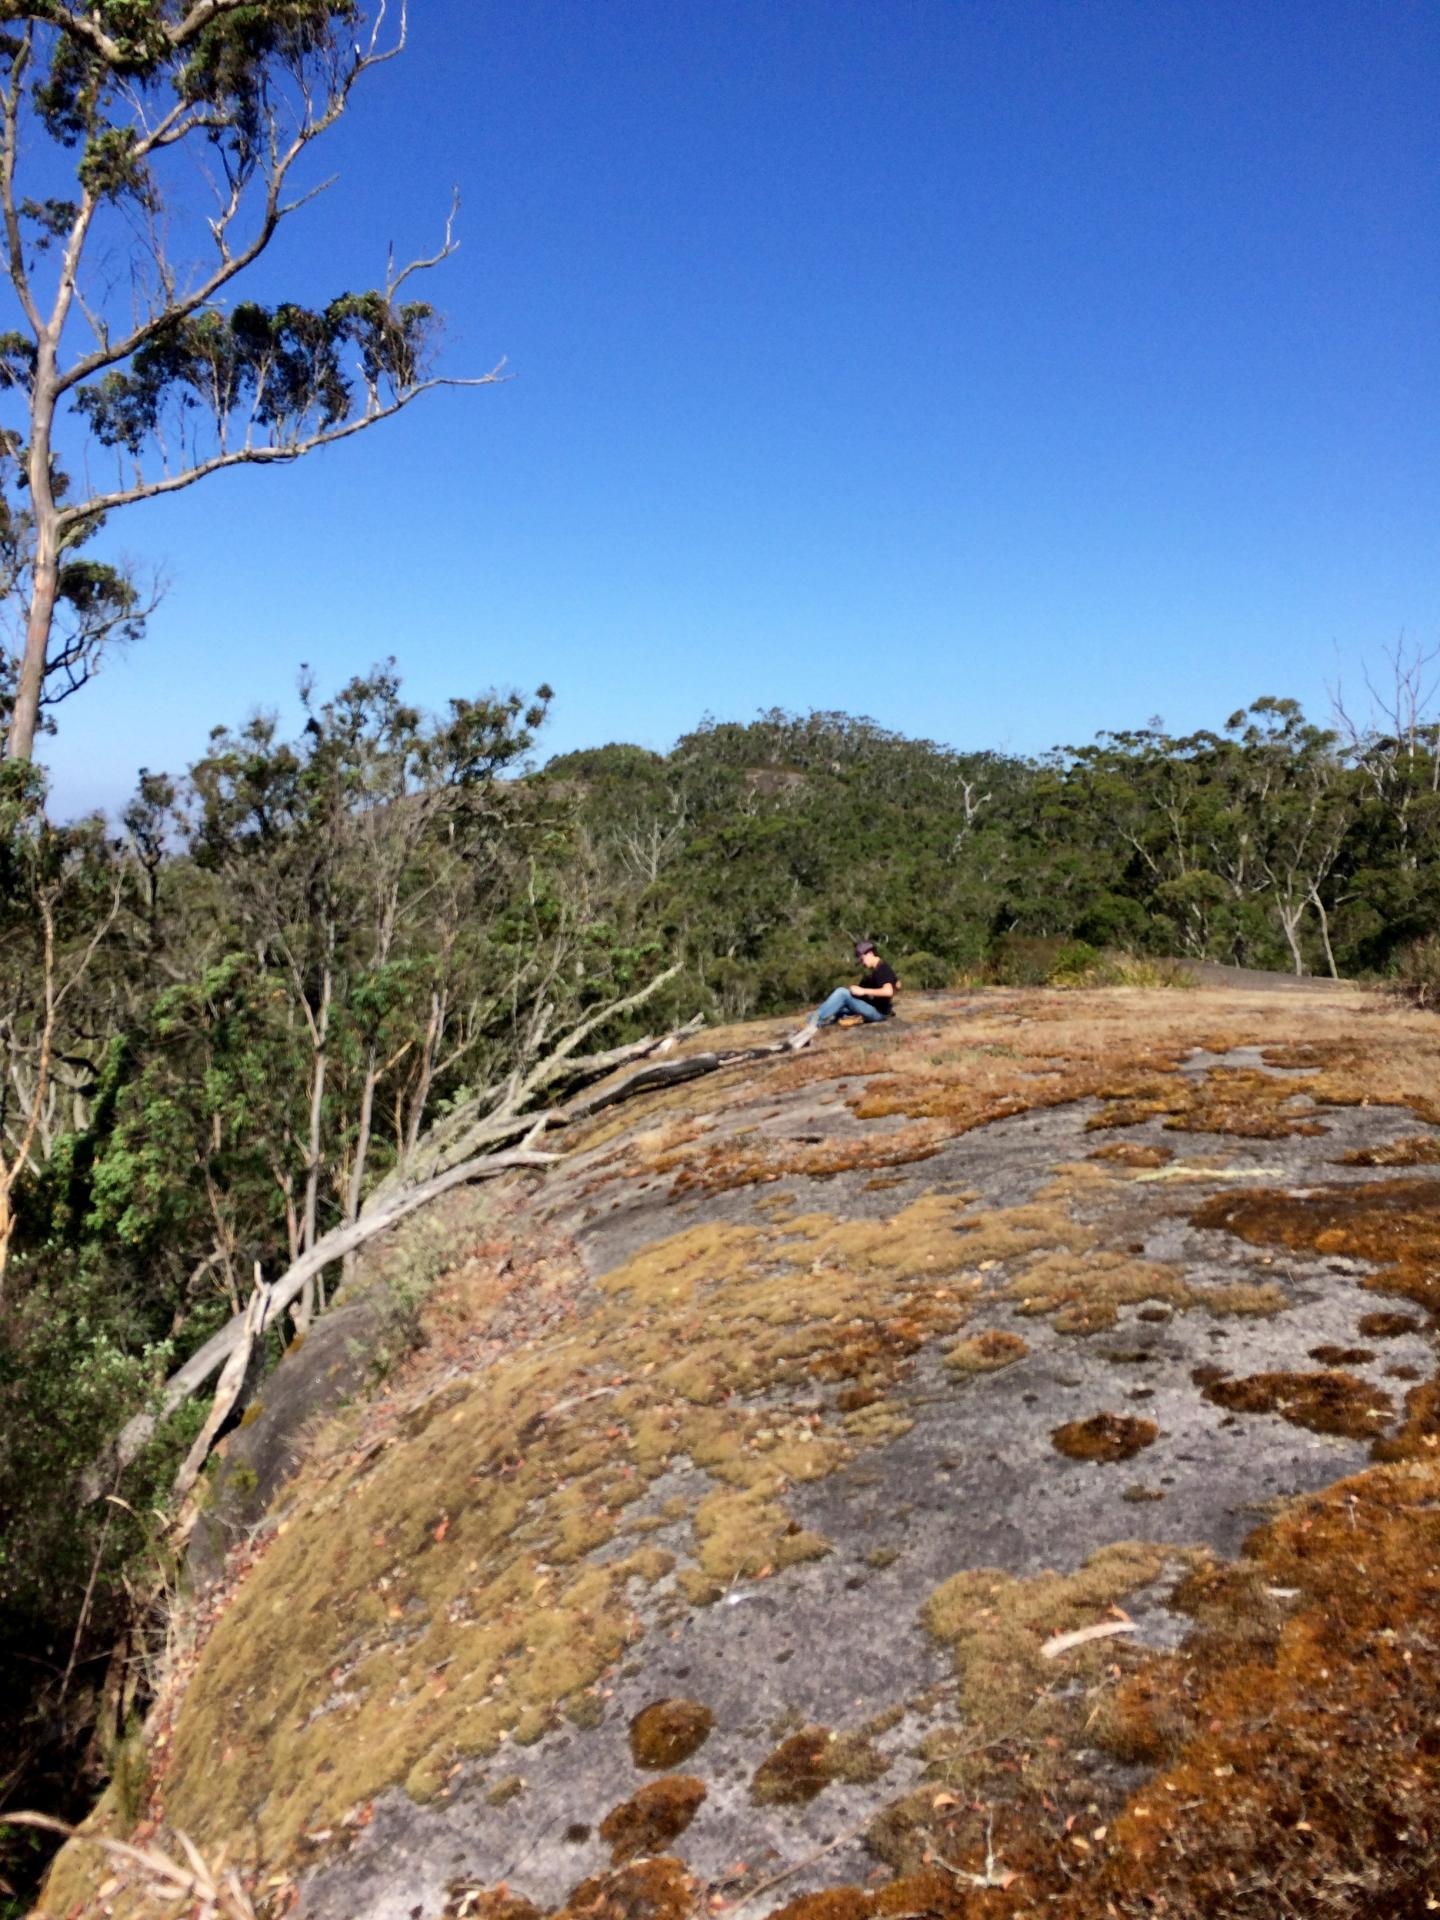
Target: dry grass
<point x="987" y="1352"/>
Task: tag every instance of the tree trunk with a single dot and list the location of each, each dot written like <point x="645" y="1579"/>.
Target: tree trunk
<point x="434" y="1033"/>
<point x="362" y="1139"/>
<point x="45" y="583"/>
<point x="355" y="1186"/>
<point x="1319" y="905"/>
<point x="313" y="1145"/>
<point x="1290" y="921"/>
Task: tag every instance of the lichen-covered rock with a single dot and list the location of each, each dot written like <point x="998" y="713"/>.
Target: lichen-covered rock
<point x="713" y="1547"/>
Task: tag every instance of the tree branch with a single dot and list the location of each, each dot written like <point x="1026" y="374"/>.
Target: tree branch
<point x="265" y="456"/>
<point x="333" y="1246"/>
<point x="179" y="308"/>
<point x="14" y="239"/>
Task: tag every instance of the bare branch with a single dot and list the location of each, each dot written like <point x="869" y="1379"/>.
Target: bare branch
<point x="326" y="1251"/>
<point x="251" y="456"/>
<point x="9" y="154"/>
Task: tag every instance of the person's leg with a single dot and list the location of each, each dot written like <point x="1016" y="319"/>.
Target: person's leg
<point x="866" y="1009"/>
<point x="831" y="1008"/>
<point x="842" y="1002"/>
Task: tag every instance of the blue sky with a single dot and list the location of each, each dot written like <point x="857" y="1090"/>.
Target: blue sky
<point x="1003" y="370"/>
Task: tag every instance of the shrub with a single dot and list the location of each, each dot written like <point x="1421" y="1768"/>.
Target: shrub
<point x="1417" y="975"/>
<point x="924" y="970"/>
<point x="1136" y="970"/>
<point x="1029" y="960"/>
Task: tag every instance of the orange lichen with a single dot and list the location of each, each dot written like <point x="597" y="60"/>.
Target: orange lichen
<point x="1104" y="1436"/>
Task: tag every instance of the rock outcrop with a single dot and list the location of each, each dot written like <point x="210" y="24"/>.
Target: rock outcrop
<point x="984" y="1464"/>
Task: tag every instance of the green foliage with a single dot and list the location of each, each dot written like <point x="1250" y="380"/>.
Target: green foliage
<point x="1417" y="972"/>
<point x="1027" y="960"/>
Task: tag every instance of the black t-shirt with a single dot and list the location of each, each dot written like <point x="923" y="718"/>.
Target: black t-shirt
<point x="881" y="976"/>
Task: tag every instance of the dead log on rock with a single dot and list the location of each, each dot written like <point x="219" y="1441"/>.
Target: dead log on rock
<point x="238" y="1379"/>
<point x="396" y="1198"/>
<point x="189" y="1378"/>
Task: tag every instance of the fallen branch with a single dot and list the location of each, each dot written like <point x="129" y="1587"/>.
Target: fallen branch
<point x="390" y="1203"/>
<point x="219" y="1896"/>
<point x="237" y="1383"/>
<point x="189" y="1378"/>
<point x="1063" y="1642"/>
<point x="672" y="1073"/>
<point x="495" y="1114"/>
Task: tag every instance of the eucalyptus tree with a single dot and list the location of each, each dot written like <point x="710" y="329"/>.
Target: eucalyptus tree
<point x="150" y="150"/>
<point x="344" y="858"/>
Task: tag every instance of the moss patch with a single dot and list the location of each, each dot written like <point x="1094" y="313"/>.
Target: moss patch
<point x="1337" y="1403"/>
<point x="1104" y="1436"/>
<point x="667" y="1732"/>
<point x="803" y="1765"/>
<point x="1134" y="1153"/>
<point x="987" y="1352"/>
<point x="1393" y="1223"/>
<point x="1415" y="1150"/>
<point x="1386" y="1326"/>
<point x="1295" y="1727"/>
<point x="657" y="1889"/>
<point x="659" y="1813"/>
<point x="466" y="1900"/>
<point x="439" y="1590"/>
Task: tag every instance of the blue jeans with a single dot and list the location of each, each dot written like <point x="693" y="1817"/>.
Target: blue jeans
<point x="842" y="1000"/>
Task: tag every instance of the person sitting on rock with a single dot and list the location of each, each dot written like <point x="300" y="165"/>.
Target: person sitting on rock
<point x="871" y="998"/>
